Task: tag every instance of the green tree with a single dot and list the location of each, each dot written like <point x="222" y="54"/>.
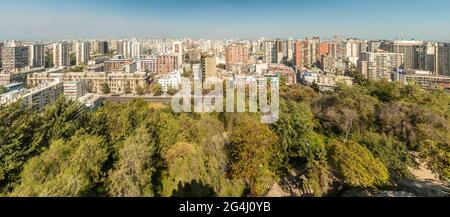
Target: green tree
<point x="132" y="174"/>
<point x="156" y="89"/>
<point x="73" y="59"/>
<point x="140" y="90"/>
<point x="172" y="91"/>
<point x="356" y="165"/>
<point x="2" y="89"/>
<point x="127" y="88"/>
<point x="48" y="59"/>
<point x="71" y="168"/>
<point x="105" y="88"/>
<point x="251" y="151"/>
<point x="393" y="153"/>
<point x="25" y="134"/>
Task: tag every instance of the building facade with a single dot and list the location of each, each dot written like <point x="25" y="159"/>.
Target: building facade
<point x="15" y="58"/>
<point x="236" y="54"/>
<point x="378" y="66"/>
<point x="36" y="55"/>
<point x="61" y="55"/>
<point x="82" y="52"/>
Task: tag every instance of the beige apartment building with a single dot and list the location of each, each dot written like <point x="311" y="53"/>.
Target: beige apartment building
<point x="61" y="55"/>
<point x="209" y="69"/>
<point x="118" y="82"/>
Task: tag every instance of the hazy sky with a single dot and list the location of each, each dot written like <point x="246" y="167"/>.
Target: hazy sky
<point x="371" y="19"/>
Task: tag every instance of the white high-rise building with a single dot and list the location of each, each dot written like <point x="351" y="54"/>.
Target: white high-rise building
<point x="131" y="49"/>
<point x="82" y="52"/>
<point x="136" y="49"/>
<point x="61" y="56"/>
<point x="290" y="49"/>
<point x="177" y="50"/>
<point x="270" y="51"/>
<point x="36" y="55"/>
<point x="352" y="50"/>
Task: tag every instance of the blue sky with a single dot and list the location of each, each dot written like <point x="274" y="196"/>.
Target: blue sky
<point x="371" y="19"/>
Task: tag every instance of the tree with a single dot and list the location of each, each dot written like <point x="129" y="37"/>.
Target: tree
<point x="48" y="59"/>
<point x="251" y="151"/>
<point x="25" y="134"/>
<point x="2" y="89"/>
<point x="105" y="88"/>
<point x="393" y="153"/>
<point x="297" y="139"/>
<point x="78" y="68"/>
<point x="356" y="165"/>
<point x="357" y="75"/>
<point x="133" y="172"/>
<point x="187" y="73"/>
<point x="73" y="59"/>
<point x="140" y="90"/>
<point x="156" y="89"/>
<point x="127" y="88"/>
<point x="71" y="168"/>
<point x="172" y="91"/>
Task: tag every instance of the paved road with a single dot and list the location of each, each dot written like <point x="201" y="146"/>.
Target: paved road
<point x="125" y="99"/>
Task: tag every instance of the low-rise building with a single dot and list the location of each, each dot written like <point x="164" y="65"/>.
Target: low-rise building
<point x="326" y="82"/>
<point x="14" y="86"/>
<point x="36" y="98"/>
<point x="15" y="77"/>
<point x="172" y="79"/>
<point x="75" y="89"/>
<point x="90" y="101"/>
<point x="117" y="82"/>
<point x="117" y="63"/>
<point x="425" y="79"/>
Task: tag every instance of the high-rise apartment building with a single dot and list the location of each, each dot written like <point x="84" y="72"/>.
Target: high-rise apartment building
<point x="290" y="50"/>
<point x="236" y="54"/>
<point x="410" y="50"/>
<point x="374" y="46"/>
<point x="311" y="51"/>
<point x="166" y="64"/>
<point x="82" y="52"/>
<point x="130" y="49"/>
<point x="177" y="50"/>
<point x="281" y="51"/>
<point x="378" y="66"/>
<point x="324" y="48"/>
<point x="102" y="47"/>
<point x="352" y="50"/>
<point x="270" y="52"/>
<point x="2" y="45"/>
<point x="36" y="55"/>
<point x="443" y="57"/>
<point x="61" y="55"/>
<point x="14" y="58"/>
<point x="298" y="54"/>
<point x="431" y="61"/>
<point x="209" y="70"/>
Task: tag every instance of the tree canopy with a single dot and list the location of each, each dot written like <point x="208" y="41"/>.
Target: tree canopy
<point x="361" y="137"/>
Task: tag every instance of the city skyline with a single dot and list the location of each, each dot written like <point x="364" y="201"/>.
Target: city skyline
<point x="224" y="19"/>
